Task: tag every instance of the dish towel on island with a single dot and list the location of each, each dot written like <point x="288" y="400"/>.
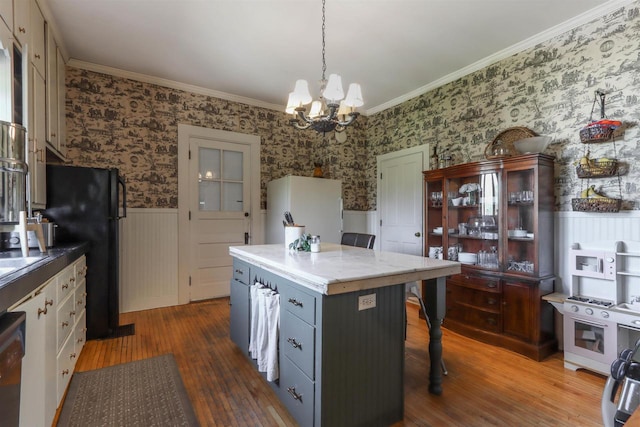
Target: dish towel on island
<point x="265" y="328"/>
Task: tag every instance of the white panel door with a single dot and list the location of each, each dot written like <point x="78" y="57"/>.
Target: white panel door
<point x="400" y="202"/>
<point x="219" y="173"/>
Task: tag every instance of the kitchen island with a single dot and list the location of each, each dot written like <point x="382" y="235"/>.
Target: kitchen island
<point x="342" y="327"/>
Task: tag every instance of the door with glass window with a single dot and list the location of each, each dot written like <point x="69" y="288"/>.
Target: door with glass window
<point x="220" y="199"/>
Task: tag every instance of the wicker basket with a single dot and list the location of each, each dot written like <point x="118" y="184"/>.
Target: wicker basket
<point x="597" y="170"/>
<point x="596" y="133"/>
<point x="596" y="205"/>
<point x="508" y="137"/>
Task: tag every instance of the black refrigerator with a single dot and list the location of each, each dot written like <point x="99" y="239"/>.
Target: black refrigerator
<point x="86" y="204"/>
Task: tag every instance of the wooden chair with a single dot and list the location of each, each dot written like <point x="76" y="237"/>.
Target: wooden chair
<point x="358" y="239"/>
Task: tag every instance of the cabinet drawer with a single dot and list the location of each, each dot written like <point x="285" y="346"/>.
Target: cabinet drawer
<point x="488" y="284"/>
<point x="241" y="272"/>
<point x="65" y="319"/>
<point x="472" y="297"/>
<point x="80" y="268"/>
<point x="80" y="333"/>
<point x="299" y="303"/>
<point x="474" y="318"/>
<point x="81" y="297"/>
<point x="298" y="342"/>
<point x="66" y="282"/>
<point x="64" y="364"/>
<point x="297" y="392"/>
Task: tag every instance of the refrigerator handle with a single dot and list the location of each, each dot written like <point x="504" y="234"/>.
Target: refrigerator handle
<point x="124" y="198"/>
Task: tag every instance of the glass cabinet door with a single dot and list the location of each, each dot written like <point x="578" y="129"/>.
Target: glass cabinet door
<point x="521" y="221"/>
<point x="434" y="227"/>
<point x="472" y="228"/>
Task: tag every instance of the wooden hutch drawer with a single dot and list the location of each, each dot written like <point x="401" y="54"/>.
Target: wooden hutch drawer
<point x="472" y="297"/>
<point x="474" y="318"/>
<point x="487" y="284"/>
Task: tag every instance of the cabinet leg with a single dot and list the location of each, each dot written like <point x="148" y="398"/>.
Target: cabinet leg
<point x="435" y="291"/>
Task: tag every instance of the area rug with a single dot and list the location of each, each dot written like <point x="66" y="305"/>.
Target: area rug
<point x="147" y="392"/>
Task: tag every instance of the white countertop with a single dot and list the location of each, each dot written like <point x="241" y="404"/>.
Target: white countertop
<point x="340" y="269"/>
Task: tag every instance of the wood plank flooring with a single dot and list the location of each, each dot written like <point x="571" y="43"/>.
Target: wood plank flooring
<point x="486" y="386"/>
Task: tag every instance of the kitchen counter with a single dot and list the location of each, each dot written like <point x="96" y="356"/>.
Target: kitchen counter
<point x="15" y="285"/>
<point x="340" y="269"/>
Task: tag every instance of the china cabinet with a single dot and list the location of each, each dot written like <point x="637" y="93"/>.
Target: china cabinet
<point x="496" y="218"/>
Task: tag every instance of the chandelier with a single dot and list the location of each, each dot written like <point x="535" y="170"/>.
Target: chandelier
<point x="331" y="111"/>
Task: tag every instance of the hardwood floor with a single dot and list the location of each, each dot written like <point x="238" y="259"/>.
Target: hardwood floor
<point x="486" y="386"/>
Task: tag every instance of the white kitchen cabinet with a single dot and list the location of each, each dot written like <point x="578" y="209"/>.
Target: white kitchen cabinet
<point x="37" y="53"/>
<point x="37" y="407"/>
<point x="36" y="135"/>
<point x="55" y="333"/>
<point x="21" y="21"/>
<point x="62" y="96"/>
<point x="52" y="89"/>
<point x="6" y="13"/>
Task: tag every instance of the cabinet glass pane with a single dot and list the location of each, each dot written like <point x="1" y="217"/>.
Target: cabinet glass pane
<point x="232" y="196"/>
<point x="521" y="221"/>
<point x="434" y="226"/>
<point x="473" y="215"/>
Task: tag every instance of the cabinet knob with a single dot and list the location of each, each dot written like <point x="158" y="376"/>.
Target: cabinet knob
<point x="417" y="234"/>
<point x="295" y="302"/>
<point x="294" y="343"/>
<point x="292" y="392"/>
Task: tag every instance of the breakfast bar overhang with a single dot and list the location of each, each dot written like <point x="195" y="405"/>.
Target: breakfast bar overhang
<point x="342" y="326"/>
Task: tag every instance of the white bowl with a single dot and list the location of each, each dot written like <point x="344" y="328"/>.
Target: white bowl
<point x="457" y="201"/>
<point x="535" y="144"/>
<point x="517" y="233"/>
<point x="467" y="257"/>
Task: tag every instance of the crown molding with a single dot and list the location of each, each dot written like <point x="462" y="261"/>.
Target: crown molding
<point x="89" y="66"/>
<point x="544" y="36"/>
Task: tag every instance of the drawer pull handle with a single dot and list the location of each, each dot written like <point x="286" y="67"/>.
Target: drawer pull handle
<point x="72" y="356"/>
<point x="292" y="392"/>
<point x="491" y="284"/>
<point x="48" y="302"/>
<point x="65" y="372"/>
<point x="294" y="343"/>
<point x="65" y="286"/>
<point x="80" y="340"/>
<point x="22" y="30"/>
<point x="491" y="301"/>
<point x="42" y="311"/>
<point x="72" y="313"/>
<point x="491" y="321"/>
<point x="73" y="279"/>
<point x="295" y="302"/>
<point x="37" y="56"/>
<point x="65" y="324"/>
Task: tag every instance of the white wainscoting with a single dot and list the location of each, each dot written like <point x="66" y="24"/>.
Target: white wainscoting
<point x="148" y="259"/>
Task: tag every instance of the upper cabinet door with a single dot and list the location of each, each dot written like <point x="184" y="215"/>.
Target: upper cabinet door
<point x="37" y="50"/>
<point x="6" y="12"/>
<point x="21" y="21"/>
<point x="52" y="89"/>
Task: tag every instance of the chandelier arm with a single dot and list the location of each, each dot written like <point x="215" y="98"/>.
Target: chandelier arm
<point x="296" y="124"/>
<point x="352" y="117"/>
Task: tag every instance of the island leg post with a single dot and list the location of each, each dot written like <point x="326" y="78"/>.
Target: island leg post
<point x="434" y="291"/>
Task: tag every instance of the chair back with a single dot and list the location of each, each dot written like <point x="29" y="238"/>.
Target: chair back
<point x="360" y="240"/>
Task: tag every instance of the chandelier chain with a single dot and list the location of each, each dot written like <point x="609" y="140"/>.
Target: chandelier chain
<point x="324" y="63"/>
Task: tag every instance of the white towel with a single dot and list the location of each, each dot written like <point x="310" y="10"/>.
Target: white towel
<point x="265" y="329"/>
<point x="253" y="336"/>
<point x="273" y="330"/>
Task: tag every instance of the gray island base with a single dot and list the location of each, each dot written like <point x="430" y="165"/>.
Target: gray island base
<point x="342" y="327"/>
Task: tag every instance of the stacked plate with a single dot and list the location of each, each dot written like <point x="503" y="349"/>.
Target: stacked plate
<point x="467" y="257"/>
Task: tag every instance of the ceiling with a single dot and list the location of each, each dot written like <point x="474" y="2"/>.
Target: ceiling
<point x="253" y="50"/>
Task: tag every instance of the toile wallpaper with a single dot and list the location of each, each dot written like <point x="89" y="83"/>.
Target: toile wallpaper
<point x="550" y="88"/>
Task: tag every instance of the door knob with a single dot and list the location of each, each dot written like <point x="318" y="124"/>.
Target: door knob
<point x="417" y="234"/>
